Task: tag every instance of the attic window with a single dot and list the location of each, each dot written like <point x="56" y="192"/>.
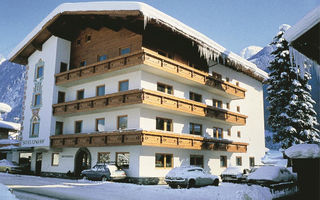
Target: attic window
<point x="88" y="38"/>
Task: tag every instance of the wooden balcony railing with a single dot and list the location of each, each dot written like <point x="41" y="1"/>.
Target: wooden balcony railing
<point x="157" y="99"/>
<point x="151" y="59"/>
<point x="144" y="138"/>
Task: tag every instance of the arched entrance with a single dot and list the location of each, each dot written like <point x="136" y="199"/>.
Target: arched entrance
<point x="82" y="161"/>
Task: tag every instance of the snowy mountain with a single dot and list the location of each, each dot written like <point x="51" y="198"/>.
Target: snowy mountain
<point x="12" y="78"/>
<point x="249" y="51"/>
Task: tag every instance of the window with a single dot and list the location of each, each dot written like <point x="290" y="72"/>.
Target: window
<point x="123" y="122"/>
<point x="100" y="124"/>
<point x="35" y="128"/>
<point x="195" y="97"/>
<point x="228" y="105"/>
<point x="196" y="160"/>
<point x="238" y="108"/>
<point x="217" y="132"/>
<point x="55" y="159"/>
<point x="37" y="100"/>
<point x="63" y="67"/>
<point x="251" y="161"/>
<point x="223" y="161"/>
<point x="80" y="94"/>
<point x="61" y="97"/>
<point x="123" y="85"/>
<point x="164" y="88"/>
<point x="164" y="160"/>
<point x="103" y="157"/>
<point x="162" y="53"/>
<point x="227" y="79"/>
<point x="229" y="132"/>
<point x="163" y="124"/>
<point x="102" y="58"/>
<point x="100" y="90"/>
<point x="39" y="72"/>
<point x="239" y="161"/>
<point x="78" y="127"/>
<point x="83" y="63"/>
<point x="195" y="129"/>
<point x="59" y="128"/>
<point x="122" y="160"/>
<point x="78" y="42"/>
<point x="217" y="103"/>
<point x="239" y="134"/>
<point x="125" y="50"/>
<point x="88" y="38"/>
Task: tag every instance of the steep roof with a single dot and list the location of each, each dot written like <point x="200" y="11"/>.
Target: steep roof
<point x="207" y="47"/>
<point x="10" y="125"/>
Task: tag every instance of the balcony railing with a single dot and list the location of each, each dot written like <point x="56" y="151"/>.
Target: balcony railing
<point x="151" y="59"/>
<point x="144" y="138"/>
<point x="157" y="99"/>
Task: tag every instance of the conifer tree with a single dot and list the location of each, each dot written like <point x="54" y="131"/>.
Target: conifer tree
<point x="292" y="116"/>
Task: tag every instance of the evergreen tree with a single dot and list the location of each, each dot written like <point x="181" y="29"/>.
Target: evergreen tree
<point x="292" y="116"/>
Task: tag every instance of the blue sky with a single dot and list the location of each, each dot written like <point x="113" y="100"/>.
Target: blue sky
<point x="234" y="24"/>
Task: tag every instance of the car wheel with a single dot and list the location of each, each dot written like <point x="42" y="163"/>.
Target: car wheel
<point x="7" y="170"/>
<point x="215" y="182"/>
<point x="84" y="177"/>
<point x="173" y="186"/>
<point x="104" y="179"/>
<point x="191" y="183"/>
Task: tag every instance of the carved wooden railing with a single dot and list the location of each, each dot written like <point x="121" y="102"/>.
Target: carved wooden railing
<point x="151" y="59"/>
<point x="144" y="138"/>
<point x="149" y="97"/>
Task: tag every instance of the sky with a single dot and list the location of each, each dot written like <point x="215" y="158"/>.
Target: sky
<point x="234" y="24"/>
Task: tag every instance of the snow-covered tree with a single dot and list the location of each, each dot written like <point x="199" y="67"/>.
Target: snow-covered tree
<point x="292" y="116"/>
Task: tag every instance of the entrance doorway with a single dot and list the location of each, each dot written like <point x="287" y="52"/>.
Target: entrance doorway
<point x="38" y="163"/>
<point x="82" y="161"/>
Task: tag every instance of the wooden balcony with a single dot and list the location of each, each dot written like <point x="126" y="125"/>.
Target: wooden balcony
<point x="143" y="138"/>
<point x="155" y="61"/>
<point x="148" y="97"/>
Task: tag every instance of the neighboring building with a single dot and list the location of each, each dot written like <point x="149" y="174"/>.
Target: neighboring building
<point x="9" y="131"/>
<point x="124" y="82"/>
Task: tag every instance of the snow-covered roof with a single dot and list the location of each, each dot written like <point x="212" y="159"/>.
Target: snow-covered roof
<point x="207" y="47"/>
<point x="10" y="125"/>
<point x="304" y="151"/>
<point x="305" y="24"/>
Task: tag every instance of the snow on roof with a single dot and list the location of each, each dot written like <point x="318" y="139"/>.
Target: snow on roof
<point x="10" y="147"/>
<point x="232" y="171"/>
<point x="305" y="24"/>
<point x="5" y="107"/>
<point x="10" y="125"/>
<point x="207" y="47"/>
<point x="304" y="151"/>
<point x="8" y="141"/>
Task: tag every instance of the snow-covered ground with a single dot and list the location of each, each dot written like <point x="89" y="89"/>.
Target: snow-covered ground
<point x="80" y="189"/>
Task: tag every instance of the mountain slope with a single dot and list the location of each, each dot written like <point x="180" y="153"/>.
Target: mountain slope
<point x="12" y="78"/>
<point x="249" y="51"/>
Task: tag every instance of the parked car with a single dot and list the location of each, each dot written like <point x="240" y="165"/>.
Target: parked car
<point x="234" y="174"/>
<point x="265" y="175"/>
<point x="190" y="176"/>
<point x="104" y="172"/>
<point x="9" y="167"/>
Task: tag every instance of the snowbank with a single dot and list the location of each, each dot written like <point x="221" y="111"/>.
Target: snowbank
<point x="207" y="47"/>
<point x="5" y="194"/>
<point x="304" y="151"/>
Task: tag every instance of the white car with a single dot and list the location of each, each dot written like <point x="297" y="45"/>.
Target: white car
<point x="271" y="174"/>
<point x="233" y="174"/>
<point x="190" y="176"/>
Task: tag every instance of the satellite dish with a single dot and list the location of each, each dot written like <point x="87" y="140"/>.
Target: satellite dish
<point x="5" y="108"/>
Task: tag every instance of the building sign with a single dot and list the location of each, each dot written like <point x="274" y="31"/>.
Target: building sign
<point x="34" y="142"/>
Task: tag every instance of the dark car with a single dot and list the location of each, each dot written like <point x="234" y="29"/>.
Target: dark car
<point x="104" y="172"/>
<point x="190" y="176"/>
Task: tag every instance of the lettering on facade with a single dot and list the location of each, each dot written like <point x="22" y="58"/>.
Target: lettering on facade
<point x="28" y="142"/>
